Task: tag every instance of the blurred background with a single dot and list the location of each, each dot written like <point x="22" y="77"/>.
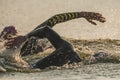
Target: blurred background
<point x="27" y="14"/>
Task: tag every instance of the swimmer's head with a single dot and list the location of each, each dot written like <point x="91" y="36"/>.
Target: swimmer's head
<point x="8" y="32"/>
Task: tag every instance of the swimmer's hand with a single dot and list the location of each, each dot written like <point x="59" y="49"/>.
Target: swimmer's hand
<point x="90" y="16"/>
<point x="15" y="42"/>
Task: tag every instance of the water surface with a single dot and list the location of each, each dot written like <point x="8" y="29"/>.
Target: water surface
<point x="100" y="71"/>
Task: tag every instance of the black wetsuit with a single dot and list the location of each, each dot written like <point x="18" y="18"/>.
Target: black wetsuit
<point x="32" y="46"/>
<point x="64" y="52"/>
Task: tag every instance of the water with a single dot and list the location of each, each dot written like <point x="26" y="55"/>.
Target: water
<point x="100" y="71"/>
<point x="26" y="14"/>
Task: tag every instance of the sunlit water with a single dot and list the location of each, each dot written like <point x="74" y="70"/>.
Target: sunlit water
<point x="26" y="14"/>
<point x="100" y="71"/>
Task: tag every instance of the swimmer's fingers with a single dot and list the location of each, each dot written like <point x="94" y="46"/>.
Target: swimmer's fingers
<point x="7" y="47"/>
<point x="90" y="16"/>
<point x="11" y="39"/>
<point x="15" y="42"/>
<point x="97" y="16"/>
<point x="18" y="41"/>
<point x="89" y="20"/>
<point x="9" y="43"/>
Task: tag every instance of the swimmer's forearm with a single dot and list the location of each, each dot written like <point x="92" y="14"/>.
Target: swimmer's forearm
<point x="59" y="18"/>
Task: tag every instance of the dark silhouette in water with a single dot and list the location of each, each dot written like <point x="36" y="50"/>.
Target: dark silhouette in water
<point x="33" y="45"/>
<point x="64" y="52"/>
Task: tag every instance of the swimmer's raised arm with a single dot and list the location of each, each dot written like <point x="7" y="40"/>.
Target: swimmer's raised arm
<point x="59" y="18"/>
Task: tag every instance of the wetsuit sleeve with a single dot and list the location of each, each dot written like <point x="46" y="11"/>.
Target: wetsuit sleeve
<point x="59" y="18"/>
